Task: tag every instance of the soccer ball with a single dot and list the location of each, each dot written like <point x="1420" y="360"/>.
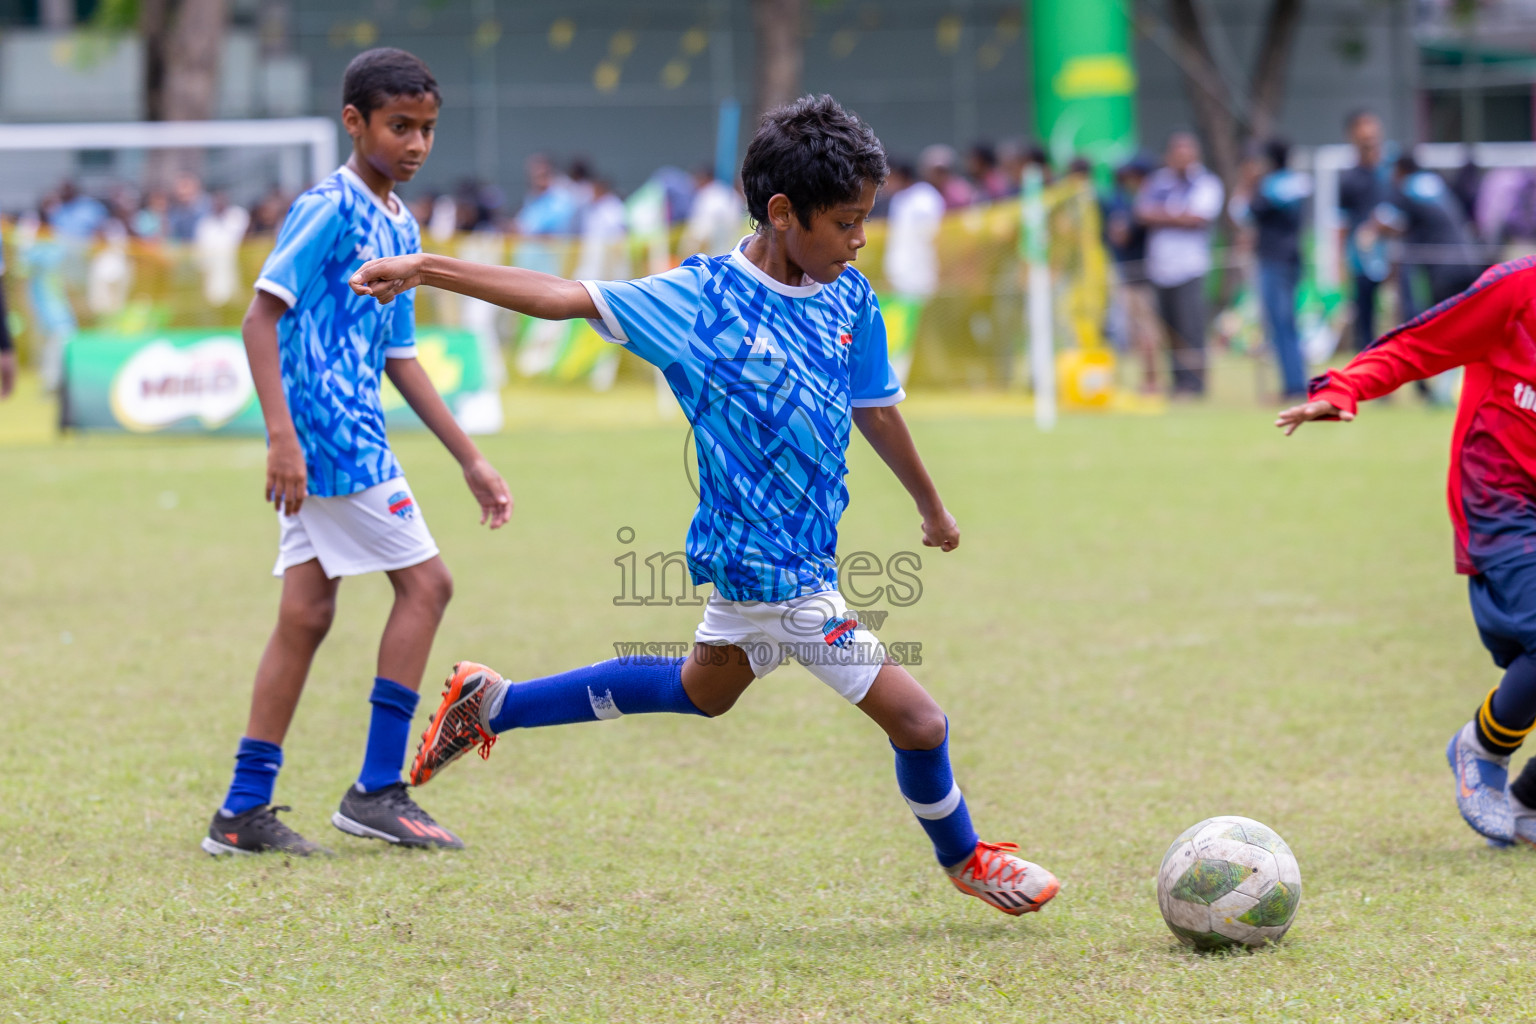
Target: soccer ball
<point x="1228" y="881"/>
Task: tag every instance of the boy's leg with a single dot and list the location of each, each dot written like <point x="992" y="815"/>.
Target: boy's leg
<point x="304" y="616"/>
<point x="1503" y="600"/>
<point x="1506" y="716"/>
<point x="377" y="806"/>
<point x="478" y="704"/>
<point x="919" y="734"/>
<point x="245" y="822"/>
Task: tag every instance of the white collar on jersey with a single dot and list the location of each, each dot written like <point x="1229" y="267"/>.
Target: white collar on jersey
<point x="739" y="258"/>
<point x="398" y="215"/>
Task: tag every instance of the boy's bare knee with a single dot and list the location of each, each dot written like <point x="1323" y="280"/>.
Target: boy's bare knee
<point x="441" y="586"/>
<point x="311" y="617"/>
<point x="429" y="585"/>
<point x="922" y="729"/>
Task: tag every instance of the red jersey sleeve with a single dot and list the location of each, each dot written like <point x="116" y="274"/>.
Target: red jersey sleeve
<point x="1460" y="330"/>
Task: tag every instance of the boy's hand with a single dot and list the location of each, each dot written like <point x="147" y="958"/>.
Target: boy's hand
<point x="7" y="373"/>
<point x="940" y="531"/>
<point x="386" y="278"/>
<point x="1296" y="415"/>
<point x="490" y="490"/>
<point x="287" y="479"/>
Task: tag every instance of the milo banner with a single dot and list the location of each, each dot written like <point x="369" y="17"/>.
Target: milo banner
<point x="1084" y="80"/>
<point x="198" y="381"/>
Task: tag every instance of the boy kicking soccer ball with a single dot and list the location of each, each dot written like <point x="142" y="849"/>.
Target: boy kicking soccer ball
<point x="1490" y="329"/>
<point x="773" y="351"/>
<point x="317" y="352"/>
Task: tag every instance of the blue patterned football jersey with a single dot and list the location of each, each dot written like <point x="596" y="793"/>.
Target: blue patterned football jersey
<point x="332" y="342"/>
<point x="768" y="375"/>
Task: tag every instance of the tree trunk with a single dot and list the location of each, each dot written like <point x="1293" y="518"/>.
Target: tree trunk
<point x="1268" y="87"/>
<point x="777" y="28"/>
<point x="1213" y="103"/>
<point x="1222" y="124"/>
<point x="154" y="20"/>
<point x="183" y="41"/>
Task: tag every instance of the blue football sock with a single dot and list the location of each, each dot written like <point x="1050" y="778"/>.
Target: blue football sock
<point x="925" y="779"/>
<point x="1508" y="711"/>
<point x="389" y="730"/>
<point x="256" y="765"/>
<point x="609" y="689"/>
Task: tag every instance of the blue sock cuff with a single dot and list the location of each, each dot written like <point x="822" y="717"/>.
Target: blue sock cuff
<point x="256" y="766"/>
<point x="682" y="703"/>
<point x="925" y="775"/>
<point x="259" y="748"/>
<point x="389" y="694"/>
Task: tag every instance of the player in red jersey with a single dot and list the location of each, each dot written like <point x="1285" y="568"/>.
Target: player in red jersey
<point x="1490" y="330"/>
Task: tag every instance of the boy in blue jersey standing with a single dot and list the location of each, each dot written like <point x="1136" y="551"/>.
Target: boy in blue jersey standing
<point x="318" y="353"/>
<point x="774" y="351"/>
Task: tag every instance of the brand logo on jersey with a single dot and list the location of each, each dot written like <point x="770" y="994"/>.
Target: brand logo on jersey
<point x="366" y="252"/>
<point x="762" y="345"/>
<point x="838" y="632"/>
<point x="1525" y="396"/>
<point x="402" y="504"/>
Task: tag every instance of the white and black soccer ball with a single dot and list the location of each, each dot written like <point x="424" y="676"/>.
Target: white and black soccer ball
<point x="1228" y="881"/>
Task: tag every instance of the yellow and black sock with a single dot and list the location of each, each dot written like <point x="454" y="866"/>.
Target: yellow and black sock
<point x="1498" y="738"/>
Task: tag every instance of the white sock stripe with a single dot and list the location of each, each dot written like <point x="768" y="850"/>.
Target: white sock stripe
<point x="604" y="707"/>
<point x="491" y="707"/>
<point x="943" y="809"/>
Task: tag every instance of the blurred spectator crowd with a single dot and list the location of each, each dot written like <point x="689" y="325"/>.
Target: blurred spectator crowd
<point x="1409" y="238"/>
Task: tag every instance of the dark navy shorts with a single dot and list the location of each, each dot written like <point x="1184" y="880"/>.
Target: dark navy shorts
<point x="1504" y="608"/>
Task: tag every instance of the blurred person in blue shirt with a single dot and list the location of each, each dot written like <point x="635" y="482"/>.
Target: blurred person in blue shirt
<point x="1274" y="200"/>
<point x="548" y="212"/>
<point x="1126" y="237"/>
<point x="1424" y="212"/>
<point x="77" y="216"/>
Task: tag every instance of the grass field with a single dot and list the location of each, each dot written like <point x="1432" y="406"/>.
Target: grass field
<point x="1149" y="621"/>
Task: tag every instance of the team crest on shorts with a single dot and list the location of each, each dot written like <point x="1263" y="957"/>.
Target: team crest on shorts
<point x="839" y="631"/>
<point x="402" y="504"/>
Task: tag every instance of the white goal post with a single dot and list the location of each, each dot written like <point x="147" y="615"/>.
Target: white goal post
<point x="317" y="134"/>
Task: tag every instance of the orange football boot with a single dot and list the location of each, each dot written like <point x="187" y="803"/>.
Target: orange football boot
<point x="1011" y="884"/>
<point x="460" y="723"/>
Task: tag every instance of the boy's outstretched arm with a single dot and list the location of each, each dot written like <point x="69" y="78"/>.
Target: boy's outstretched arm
<point x="1461" y="330"/>
<point x="287" y="478"/>
<point x="489" y="489"/>
<point x="523" y="291"/>
<point x="886" y="431"/>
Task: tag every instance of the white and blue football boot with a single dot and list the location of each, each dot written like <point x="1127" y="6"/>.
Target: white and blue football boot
<point x="1480" y="781"/>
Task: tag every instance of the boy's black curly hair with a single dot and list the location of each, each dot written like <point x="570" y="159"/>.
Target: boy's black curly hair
<point x="374" y="76"/>
<point x="815" y="153"/>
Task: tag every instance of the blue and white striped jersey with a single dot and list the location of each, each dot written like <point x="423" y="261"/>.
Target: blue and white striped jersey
<point x="332" y="342"/>
<point x="768" y="375"/>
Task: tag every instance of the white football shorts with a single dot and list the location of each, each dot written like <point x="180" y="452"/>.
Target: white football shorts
<point x="816" y="630"/>
<point x="375" y="530"/>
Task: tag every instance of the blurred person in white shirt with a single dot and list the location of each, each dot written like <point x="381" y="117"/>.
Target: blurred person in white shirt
<point x="915" y="215"/>
<point x="604" y="254"/>
<point x="717" y="218"/>
<point x="216" y="240"/>
<point x="1179" y="205"/>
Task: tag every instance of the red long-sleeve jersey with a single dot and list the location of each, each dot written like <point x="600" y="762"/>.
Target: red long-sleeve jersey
<point x="1490" y="329"/>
